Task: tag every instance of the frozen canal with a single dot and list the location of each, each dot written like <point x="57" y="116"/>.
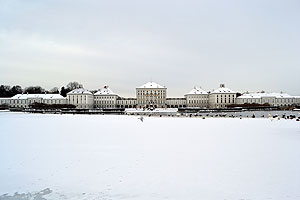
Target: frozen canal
<point x="99" y="157"/>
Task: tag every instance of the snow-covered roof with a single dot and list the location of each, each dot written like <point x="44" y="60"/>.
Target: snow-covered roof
<point x="222" y="89"/>
<point x="38" y="96"/>
<point x="80" y="91"/>
<point x="272" y="94"/>
<point x="197" y="90"/>
<point x="105" y="91"/>
<point x="151" y="85"/>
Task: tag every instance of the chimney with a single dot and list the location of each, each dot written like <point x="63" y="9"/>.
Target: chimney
<point x="222" y="85"/>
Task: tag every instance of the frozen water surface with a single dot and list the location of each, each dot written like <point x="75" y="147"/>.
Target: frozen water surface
<point x="119" y="157"/>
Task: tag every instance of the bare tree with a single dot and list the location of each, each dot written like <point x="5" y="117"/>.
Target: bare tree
<point x="34" y="90"/>
<point x="54" y="90"/>
<point x="16" y="90"/>
<point x="5" y="91"/>
<point x="74" y="85"/>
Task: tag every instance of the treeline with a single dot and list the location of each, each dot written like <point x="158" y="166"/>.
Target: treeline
<point x="10" y="91"/>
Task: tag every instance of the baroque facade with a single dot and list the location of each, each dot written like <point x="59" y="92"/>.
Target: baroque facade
<point x="273" y="99"/>
<point x="105" y="98"/>
<point x="152" y="95"/>
<point x="81" y="98"/>
<point x="221" y="97"/>
<point x="24" y="100"/>
<point x="197" y="98"/>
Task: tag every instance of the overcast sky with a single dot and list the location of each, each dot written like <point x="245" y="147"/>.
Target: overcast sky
<point x="248" y="45"/>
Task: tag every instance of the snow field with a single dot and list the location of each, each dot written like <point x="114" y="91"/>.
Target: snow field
<point x="120" y="157"/>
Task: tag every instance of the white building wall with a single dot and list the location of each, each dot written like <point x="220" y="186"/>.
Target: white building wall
<point x="54" y="101"/>
<point x="221" y="100"/>
<point x="272" y="100"/>
<point x="221" y="97"/>
<point x="84" y="101"/>
<point x="105" y="101"/>
<point x="151" y="96"/>
<point x="127" y="103"/>
<point x="197" y="100"/>
<point x="25" y="100"/>
<point x="176" y="102"/>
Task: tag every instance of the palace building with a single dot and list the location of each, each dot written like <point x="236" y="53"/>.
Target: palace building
<point x="273" y="99"/>
<point x="221" y="97"/>
<point x="197" y="98"/>
<point x="152" y="95"/>
<point x="81" y="98"/>
<point x="105" y="98"/>
<point x="24" y="100"/>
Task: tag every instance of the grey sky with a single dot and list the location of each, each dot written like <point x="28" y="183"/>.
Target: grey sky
<point x="248" y="45"/>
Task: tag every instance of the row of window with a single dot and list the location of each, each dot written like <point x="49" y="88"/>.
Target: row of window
<point x="225" y="101"/>
<point x="226" y="95"/>
<point x="30" y="101"/>
<point x="151" y="102"/>
<point x="78" y="101"/>
<point x="175" y="102"/>
<point x="106" y="106"/>
<point x="104" y="97"/>
<point x="151" y="92"/>
<point x="126" y="102"/>
<point x="147" y="97"/>
<point x="152" y="95"/>
<point x="77" y="97"/>
<point x="105" y="102"/>
<point x="114" y="102"/>
<point x="269" y="100"/>
<point x="197" y="101"/>
<point x="198" y="97"/>
<point x="54" y="101"/>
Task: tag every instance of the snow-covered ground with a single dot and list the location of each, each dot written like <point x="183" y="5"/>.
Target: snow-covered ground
<point x="154" y="111"/>
<point x="119" y="157"/>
